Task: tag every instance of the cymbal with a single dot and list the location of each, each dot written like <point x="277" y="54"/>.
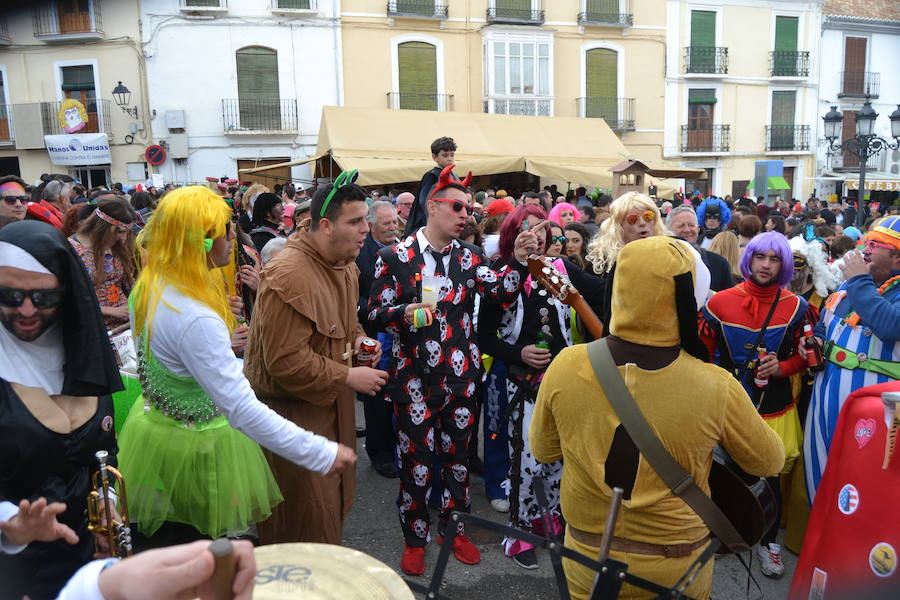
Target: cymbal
<point x="323" y="572"/>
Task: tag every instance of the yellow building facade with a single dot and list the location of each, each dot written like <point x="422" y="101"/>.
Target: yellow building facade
<point x="551" y="58"/>
<point x="742" y="87"/>
<point x="51" y="51"/>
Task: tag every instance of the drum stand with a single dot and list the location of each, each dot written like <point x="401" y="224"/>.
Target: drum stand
<point x="611" y="574"/>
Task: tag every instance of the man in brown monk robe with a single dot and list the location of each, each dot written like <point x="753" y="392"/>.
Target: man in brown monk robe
<point x="298" y="358"/>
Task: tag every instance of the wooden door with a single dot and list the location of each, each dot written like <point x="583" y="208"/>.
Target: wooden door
<point x="701" y="113"/>
<point x="848" y="130"/>
<point x="787" y="194"/>
<point x="280" y="175"/>
<point x="854" y="65"/>
<point x="74" y="16"/>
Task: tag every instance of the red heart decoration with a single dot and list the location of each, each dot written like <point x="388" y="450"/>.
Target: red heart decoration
<point x="863" y="432"/>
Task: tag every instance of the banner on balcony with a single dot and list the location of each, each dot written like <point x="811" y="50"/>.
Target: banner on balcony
<point x="79" y="149"/>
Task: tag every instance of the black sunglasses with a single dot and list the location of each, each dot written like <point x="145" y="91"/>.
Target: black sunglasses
<point x="11" y="200"/>
<point x="458" y="205"/>
<point x="14" y="298"/>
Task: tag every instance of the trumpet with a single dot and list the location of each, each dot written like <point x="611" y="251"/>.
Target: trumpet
<point x="100" y="509"/>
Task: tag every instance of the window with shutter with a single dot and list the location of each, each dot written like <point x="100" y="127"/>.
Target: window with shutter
<point x="513" y="9"/>
<point x="295" y="4"/>
<point x="782" y="128"/>
<point x="417" y="70"/>
<point x="202" y="3"/>
<point x="78" y="83"/>
<point x="601" y="84"/>
<point x="786" y="29"/>
<point x="74" y="15"/>
<point x="701" y="109"/>
<point x="703" y="41"/>
<point x="604" y="11"/>
<point x="257" y="75"/>
<point x="854" y="65"/>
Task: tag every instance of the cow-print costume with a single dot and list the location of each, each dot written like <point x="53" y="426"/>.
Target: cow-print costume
<point x="433" y="371"/>
<point x="503" y="333"/>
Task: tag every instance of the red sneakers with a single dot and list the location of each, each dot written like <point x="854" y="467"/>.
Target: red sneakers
<point x="464" y="550"/>
<point x="413" y="561"/>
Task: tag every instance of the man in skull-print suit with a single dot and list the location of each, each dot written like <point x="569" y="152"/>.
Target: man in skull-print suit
<point x="434" y="368"/>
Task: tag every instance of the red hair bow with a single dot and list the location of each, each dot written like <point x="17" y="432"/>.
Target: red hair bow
<point x="446" y="178"/>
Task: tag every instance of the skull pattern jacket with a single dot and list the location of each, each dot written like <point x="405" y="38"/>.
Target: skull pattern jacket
<point x="441" y="360"/>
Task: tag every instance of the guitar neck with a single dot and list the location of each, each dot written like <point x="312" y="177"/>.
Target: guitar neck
<point x="588" y="316"/>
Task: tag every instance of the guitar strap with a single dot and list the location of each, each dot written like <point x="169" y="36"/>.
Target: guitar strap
<point x="673" y="474"/>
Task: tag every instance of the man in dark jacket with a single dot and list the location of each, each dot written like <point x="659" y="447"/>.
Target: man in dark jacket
<point x="682" y="221"/>
<point x="443" y="151"/>
<point x="380" y="436"/>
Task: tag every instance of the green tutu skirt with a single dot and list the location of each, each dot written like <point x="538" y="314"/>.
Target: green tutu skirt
<point x="211" y="477"/>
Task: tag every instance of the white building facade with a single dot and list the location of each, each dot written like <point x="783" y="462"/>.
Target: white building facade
<point x="235" y="84"/>
<point x="859" y="56"/>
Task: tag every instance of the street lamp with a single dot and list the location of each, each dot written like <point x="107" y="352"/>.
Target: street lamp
<point x="865" y="144"/>
<point x="122" y="96"/>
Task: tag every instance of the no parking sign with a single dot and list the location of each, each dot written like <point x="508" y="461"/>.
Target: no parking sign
<point x="155" y="155"/>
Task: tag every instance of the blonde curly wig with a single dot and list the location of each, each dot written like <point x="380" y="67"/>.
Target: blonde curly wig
<point x="609" y="241"/>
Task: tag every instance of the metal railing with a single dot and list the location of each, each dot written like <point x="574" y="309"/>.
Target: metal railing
<point x="511" y="11"/>
<point x="4" y="32"/>
<point x="6" y="129"/>
<point x="617" y="112"/>
<point x="789" y="63"/>
<point x="259" y="114"/>
<point x="98" y="112"/>
<point x="417" y="101"/>
<point x="623" y="18"/>
<point x="202" y="4"/>
<point x="294" y="5"/>
<point x="49" y="22"/>
<point x="534" y="106"/>
<point x="428" y="9"/>
<point x="716" y="138"/>
<point x="860" y="83"/>
<point x="706" y="59"/>
<point x="787" y="137"/>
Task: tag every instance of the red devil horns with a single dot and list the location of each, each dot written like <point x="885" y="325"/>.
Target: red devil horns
<point x="447" y="177"/>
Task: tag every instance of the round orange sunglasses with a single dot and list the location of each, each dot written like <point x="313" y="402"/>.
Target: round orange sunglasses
<point x="647" y="215"/>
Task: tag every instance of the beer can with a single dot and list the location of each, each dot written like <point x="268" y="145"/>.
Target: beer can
<point x="366" y="356"/>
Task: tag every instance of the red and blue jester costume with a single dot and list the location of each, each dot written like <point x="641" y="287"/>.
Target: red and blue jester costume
<point x="433" y="370"/>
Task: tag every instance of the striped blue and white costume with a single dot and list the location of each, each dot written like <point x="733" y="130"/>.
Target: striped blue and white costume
<point x="877" y="336"/>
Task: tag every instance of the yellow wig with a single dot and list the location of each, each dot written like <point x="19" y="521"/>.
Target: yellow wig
<point x="174" y="254"/>
<point x="606" y="245"/>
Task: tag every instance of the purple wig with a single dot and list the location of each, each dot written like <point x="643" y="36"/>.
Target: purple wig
<point x="763" y="243"/>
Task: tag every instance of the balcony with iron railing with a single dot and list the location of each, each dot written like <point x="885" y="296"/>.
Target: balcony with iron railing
<point x="417" y="101"/>
<point x="98" y="121"/>
<point x="6" y="128"/>
<point x="860" y="84"/>
<point x="54" y="25"/>
<point x="5" y="40"/>
<point x="534" y="106"/>
<point x="788" y="63"/>
<point x="623" y="18"/>
<point x="705" y="60"/>
<point x="260" y="115"/>
<point x="787" y="138"/>
<point x="706" y="140"/>
<point x="617" y="112"/>
<point x="422" y="9"/>
<point x="290" y="7"/>
<point x="516" y="12"/>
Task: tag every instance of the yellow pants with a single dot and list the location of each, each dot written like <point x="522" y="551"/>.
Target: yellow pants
<point x="658" y="569"/>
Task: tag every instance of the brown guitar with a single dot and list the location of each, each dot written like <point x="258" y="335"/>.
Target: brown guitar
<point x="748" y="501"/>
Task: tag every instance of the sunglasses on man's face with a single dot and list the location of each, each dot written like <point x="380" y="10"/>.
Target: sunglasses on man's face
<point x="647" y="215"/>
<point x="11" y="200"/>
<point x="457" y="205"/>
<point x="14" y="297"/>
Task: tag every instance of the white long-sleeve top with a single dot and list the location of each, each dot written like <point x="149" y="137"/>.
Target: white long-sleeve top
<point x="191" y="340"/>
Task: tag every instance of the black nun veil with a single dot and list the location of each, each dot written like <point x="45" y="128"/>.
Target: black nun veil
<point x="90" y="367"/>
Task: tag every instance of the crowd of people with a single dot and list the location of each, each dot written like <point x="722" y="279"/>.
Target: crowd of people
<point x="260" y="317"/>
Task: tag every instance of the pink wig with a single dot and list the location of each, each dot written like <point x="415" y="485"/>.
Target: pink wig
<point x="559" y="208"/>
<point x="512" y="226"/>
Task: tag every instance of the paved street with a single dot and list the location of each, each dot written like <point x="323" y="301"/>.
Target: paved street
<point x="373" y="528"/>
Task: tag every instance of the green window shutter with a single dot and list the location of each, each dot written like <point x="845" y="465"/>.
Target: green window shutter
<point x="296" y="4"/>
<point x="77" y="78"/>
<point x="417" y="69"/>
<point x="786" y="33"/>
<point x="601" y="84"/>
<point x="783" y="106"/>
<point x="257" y="75"/>
<point x="703" y="28"/>
<point x="210" y="3"/>
<point x="513" y="8"/>
<point x="603" y="7"/>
